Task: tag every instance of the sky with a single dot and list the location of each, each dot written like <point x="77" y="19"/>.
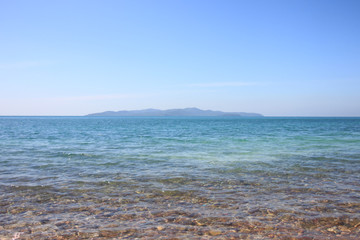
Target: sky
<point x="274" y="57"/>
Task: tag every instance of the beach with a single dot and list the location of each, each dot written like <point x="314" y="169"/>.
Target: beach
<point x="179" y="178"/>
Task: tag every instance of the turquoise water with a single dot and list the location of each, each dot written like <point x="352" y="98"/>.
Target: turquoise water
<point x="186" y="178"/>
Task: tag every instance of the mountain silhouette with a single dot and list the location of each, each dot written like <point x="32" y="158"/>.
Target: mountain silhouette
<point x="186" y="112"/>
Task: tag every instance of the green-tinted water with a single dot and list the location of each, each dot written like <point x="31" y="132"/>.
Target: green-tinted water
<point x="191" y="178"/>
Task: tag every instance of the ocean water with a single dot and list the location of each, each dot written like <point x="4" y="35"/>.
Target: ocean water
<point x="179" y="178"/>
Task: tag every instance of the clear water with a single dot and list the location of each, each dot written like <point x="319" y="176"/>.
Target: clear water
<point x="185" y="178"/>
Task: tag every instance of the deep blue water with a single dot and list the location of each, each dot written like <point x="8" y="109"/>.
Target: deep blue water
<point x="258" y="170"/>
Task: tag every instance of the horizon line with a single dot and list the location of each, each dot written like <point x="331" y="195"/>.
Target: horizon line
<point x="263" y="116"/>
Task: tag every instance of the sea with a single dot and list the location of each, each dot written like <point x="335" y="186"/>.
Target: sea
<point x="179" y="178"/>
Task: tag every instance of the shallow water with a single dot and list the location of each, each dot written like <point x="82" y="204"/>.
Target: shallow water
<point x="185" y="178"/>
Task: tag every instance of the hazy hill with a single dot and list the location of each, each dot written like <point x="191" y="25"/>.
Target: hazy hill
<point x="173" y="112"/>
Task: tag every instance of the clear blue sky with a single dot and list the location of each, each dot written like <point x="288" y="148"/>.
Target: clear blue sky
<point x="278" y="58"/>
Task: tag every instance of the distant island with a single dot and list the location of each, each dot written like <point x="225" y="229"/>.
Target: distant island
<point x="185" y="112"/>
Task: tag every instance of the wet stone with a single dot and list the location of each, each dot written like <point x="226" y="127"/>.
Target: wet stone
<point x="108" y="234"/>
<point x="334" y="230"/>
<point x="44" y="221"/>
<point x="215" y="232"/>
<point x="160" y="228"/>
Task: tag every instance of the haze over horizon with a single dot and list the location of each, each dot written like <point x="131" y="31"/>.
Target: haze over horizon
<point x="276" y="58"/>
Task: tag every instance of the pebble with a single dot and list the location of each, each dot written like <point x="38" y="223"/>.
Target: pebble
<point x="215" y="232"/>
<point x="108" y="234"/>
<point x="344" y="229"/>
<point x="160" y="228"/>
<point x="333" y="230"/>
